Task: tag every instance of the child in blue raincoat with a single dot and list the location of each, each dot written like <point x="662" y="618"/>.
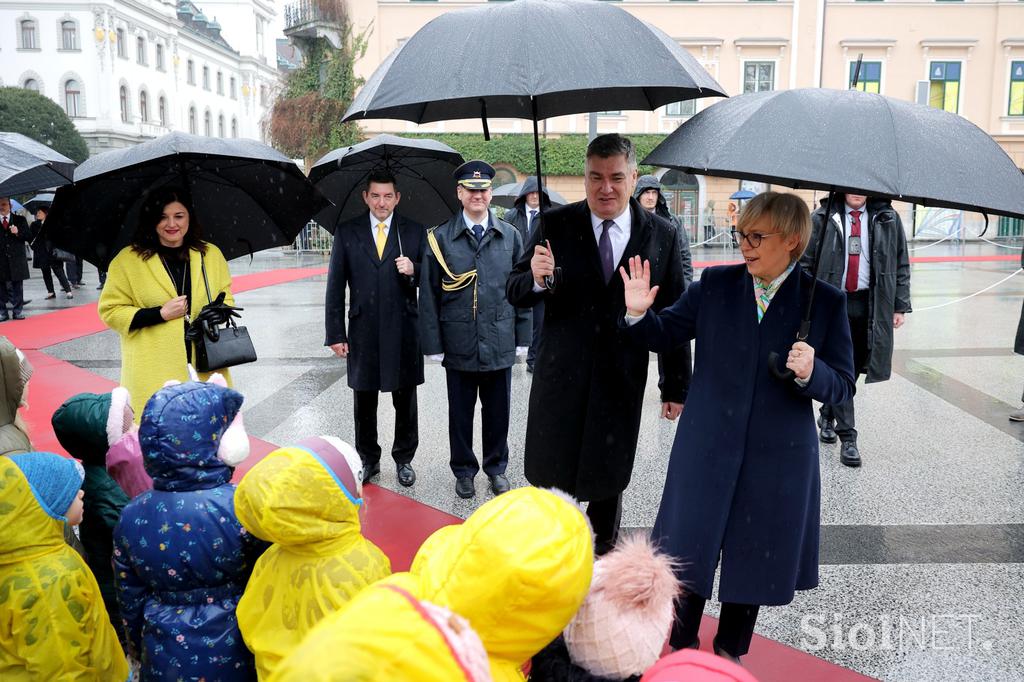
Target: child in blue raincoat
<point x="181" y="557"/>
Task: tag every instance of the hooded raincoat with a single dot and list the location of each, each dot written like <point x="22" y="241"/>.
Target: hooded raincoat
<point x="319" y="560"/>
<point x="12" y="438"/>
<point x="52" y="622"/>
<point x="518" y="570"/>
<point x="386" y="635"/>
<point x="646" y="182"/>
<point x="181" y="557"/>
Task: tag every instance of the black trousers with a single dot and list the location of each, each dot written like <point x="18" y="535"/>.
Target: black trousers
<point x="55" y="268"/>
<point x="495" y="392"/>
<point x="407" y="436"/>
<point x="735" y="624"/>
<point x="858" y="310"/>
<point x="12" y="292"/>
<point x="538" y="328"/>
<point x="605" y="517"/>
<point x="75" y="271"/>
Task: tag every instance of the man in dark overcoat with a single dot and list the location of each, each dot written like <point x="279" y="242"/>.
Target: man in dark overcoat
<point x="588" y="387"/>
<point x="376" y="257"/>
<point x="467" y="322"/>
<point x="525" y="216"/>
<point x="14" y="234"/>
<point x="865" y="255"/>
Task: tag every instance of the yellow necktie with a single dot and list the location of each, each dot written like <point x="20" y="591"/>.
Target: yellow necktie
<point x="381" y="239"/>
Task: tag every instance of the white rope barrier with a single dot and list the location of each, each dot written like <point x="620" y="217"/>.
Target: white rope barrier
<point x="706" y="241"/>
<point x="976" y="293"/>
<point x="928" y="246"/>
<point x="1002" y="246"/>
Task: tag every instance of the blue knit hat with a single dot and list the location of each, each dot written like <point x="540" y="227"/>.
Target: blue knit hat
<point x="54" y="480"/>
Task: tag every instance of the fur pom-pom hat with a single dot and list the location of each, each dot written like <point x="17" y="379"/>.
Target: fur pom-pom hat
<point x="234" y="443"/>
<point x="624" y="622"/>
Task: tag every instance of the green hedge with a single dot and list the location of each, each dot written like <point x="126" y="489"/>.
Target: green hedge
<point x="40" y="118"/>
<point x="559" y="155"/>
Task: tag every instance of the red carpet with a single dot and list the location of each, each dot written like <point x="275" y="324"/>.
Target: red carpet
<point x="397" y="524"/>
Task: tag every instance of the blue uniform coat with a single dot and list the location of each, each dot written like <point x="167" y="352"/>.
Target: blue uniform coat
<point x="743" y="476"/>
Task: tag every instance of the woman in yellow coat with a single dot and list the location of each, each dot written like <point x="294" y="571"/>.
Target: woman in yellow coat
<point x="53" y="625"/>
<point x="154" y="286"/>
<point x="305" y="499"/>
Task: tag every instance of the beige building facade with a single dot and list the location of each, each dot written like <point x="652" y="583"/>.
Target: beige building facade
<point x="965" y="56"/>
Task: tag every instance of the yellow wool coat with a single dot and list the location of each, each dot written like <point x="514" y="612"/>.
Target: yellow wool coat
<point x="518" y="570"/>
<point x="152" y="355"/>
<point x="53" y="625"/>
<point x="318" y="562"/>
<point x="381" y="636"/>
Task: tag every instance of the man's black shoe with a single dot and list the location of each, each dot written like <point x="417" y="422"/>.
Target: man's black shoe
<point x="849" y="454"/>
<point x="464" y="487"/>
<point x="18" y="316"/>
<point x="370" y="471"/>
<point x="406" y="476"/>
<point x="4" y="318"/>
<point x="828" y="431"/>
<point x="499" y="484"/>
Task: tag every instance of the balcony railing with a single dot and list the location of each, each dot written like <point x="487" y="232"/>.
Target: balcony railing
<point x="311" y="11"/>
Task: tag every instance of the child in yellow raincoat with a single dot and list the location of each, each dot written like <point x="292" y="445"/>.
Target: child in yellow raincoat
<point x="53" y="625"/>
<point x="305" y="499"/>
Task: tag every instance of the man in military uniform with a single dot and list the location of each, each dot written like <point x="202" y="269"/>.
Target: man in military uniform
<point x="467" y="322"/>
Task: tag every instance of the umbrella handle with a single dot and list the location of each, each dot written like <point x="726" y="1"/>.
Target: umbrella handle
<point x="785" y="374"/>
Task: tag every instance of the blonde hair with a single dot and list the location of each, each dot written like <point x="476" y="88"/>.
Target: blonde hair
<point x="787" y="213"/>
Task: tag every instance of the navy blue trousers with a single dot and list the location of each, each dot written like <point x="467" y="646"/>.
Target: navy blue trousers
<point x="495" y="392"/>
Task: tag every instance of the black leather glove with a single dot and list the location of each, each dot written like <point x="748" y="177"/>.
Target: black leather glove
<point x="212" y="315"/>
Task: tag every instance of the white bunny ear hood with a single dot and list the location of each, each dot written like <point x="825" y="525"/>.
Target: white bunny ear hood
<point x="120" y="416"/>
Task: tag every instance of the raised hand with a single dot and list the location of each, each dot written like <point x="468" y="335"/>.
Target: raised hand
<point x="637" y="284"/>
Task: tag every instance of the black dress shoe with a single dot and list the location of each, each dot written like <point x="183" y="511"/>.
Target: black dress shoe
<point x="4" y="318"/>
<point x="406" y="476"/>
<point x="18" y="316"/>
<point x="828" y="431"/>
<point x="370" y="471"/>
<point x="849" y="454"/>
<point x="464" y="487"/>
<point x="499" y="484"/>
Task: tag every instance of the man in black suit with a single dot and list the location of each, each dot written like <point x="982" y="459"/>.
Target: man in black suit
<point x="525" y="216"/>
<point x="588" y="388"/>
<point x="377" y="257"/>
<point x="14" y="234"/>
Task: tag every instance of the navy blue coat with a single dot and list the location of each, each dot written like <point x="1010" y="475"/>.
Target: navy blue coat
<point x="743" y="476"/>
<point x="181" y="556"/>
<point x="382" y="331"/>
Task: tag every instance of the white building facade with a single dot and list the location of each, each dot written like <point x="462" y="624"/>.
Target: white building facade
<point x="130" y="70"/>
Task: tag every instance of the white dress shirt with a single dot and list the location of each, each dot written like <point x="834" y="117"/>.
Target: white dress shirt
<point x="387" y="226"/>
<point x="618" y="233"/>
<point x="864" y="266"/>
<point x="469" y="221"/>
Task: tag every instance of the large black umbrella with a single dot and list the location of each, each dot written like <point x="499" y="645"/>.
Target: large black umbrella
<point x="27" y="165"/>
<point x="422" y="168"/>
<point x="567" y="57"/>
<point x="507" y="195"/>
<point x="39" y="201"/>
<point x="247" y="196"/>
<point x="847" y="141"/>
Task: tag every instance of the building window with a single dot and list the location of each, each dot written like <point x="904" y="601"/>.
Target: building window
<point x="144" y="107"/>
<point x="944" y="87"/>
<point x="758" y="76"/>
<point x="140" y="51"/>
<point x="206" y="78"/>
<point x="207" y="124"/>
<point x="220" y="126"/>
<point x="870" y="78"/>
<point x="190" y="72"/>
<point x="259" y="36"/>
<point x="122" y="48"/>
<point x="1016" y="89"/>
<point x="161" y="108"/>
<point x="220" y="83"/>
<point x="159" y="57"/>
<point x="192" y="120"/>
<point x="234" y="127"/>
<point x="124" y="104"/>
<point x="31" y="84"/>
<point x="232" y="89"/>
<point x="68" y="35"/>
<point x="73" y="99"/>
<point x="28" y="35"/>
<point x="684" y="108"/>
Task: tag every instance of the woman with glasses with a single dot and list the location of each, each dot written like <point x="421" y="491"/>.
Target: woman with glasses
<point x="743" y="486"/>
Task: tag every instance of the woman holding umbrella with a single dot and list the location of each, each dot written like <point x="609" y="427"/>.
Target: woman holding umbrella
<point x="42" y="255"/>
<point x="743" y="484"/>
<point x="155" y="286"/>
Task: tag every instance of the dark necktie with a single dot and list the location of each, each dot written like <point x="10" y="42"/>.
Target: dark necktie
<point x="853" y="267"/>
<point x="529" y="223"/>
<point x="6" y="225"/>
<point x="604" y="247"/>
<point x="478" y="232"/>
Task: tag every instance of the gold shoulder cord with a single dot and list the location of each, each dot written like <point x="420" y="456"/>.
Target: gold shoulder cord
<point x="454" y="282"/>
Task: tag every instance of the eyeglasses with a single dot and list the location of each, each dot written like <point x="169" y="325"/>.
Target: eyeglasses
<point x="753" y="238"/>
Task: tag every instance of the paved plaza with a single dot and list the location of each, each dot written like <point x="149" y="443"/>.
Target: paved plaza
<point x="922" y="547"/>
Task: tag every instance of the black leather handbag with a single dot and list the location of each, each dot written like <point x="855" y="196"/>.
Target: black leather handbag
<point x="219" y="347"/>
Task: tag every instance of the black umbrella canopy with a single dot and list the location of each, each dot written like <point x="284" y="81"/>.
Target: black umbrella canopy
<point x="848" y="141"/>
<point x="422" y="168"/>
<point x="27" y="165"/>
<point x="507" y="195"/>
<point x="571" y="55"/>
<point x="247" y="196"/>
<point x="39" y="201"/>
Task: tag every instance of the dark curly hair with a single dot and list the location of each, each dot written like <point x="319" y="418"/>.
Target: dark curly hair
<point x="145" y="241"/>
